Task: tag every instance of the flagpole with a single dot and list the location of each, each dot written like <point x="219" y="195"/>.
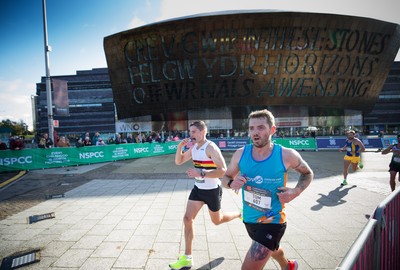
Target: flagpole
<point x="47" y="50"/>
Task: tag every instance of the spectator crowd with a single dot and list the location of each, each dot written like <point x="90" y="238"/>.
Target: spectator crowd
<point x="44" y="142"/>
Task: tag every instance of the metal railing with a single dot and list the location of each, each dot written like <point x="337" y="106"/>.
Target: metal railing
<point x="388" y="216"/>
<point x="378" y="245"/>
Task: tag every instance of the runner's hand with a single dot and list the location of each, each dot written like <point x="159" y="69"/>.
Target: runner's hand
<point x="192" y="172"/>
<point x="238" y="182"/>
<point x="184" y="142"/>
<point x="287" y="194"/>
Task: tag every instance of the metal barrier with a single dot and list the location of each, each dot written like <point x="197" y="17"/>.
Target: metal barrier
<point x="378" y="245"/>
<point x="388" y="215"/>
<point x="362" y="252"/>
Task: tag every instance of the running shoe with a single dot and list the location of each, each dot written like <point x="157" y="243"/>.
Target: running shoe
<point x="344" y="183"/>
<point x="292" y="265"/>
<point x="183" y="262"/>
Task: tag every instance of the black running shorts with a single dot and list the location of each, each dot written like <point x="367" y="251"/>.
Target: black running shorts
<point x="394" y="167"/>
<point x="211" y="197"/>
<point x="268" y="235"/>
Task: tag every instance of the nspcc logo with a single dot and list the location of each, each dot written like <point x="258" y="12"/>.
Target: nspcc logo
<point x="299" y="142"/>
<point x="87" y="155"/>
<point x="15" y="160"/>
<point x="141" y="150"/>
<point x="172" y="147"/>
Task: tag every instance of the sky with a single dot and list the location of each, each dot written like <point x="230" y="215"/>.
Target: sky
<point x="76" y="29"/>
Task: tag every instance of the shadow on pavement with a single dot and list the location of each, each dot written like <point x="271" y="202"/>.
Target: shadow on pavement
<point x="334" y="198"/>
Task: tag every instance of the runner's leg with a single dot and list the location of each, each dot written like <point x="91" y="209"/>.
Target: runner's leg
<point x="392" y="180"/>
<point x="192" y="209"/>
<point x="219" y="217"/>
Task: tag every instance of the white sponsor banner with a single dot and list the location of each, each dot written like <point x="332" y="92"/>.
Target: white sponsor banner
<point x="121" y="126"/>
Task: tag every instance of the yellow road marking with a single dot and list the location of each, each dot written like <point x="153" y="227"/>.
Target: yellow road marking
<point x="21" y="173"/>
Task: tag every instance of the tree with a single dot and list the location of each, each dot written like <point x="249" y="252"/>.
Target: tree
<point x="17" y="128"/>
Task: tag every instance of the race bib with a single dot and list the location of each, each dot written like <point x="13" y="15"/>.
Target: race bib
<point x="256" y="198"/>
<point x="199" y="180"/>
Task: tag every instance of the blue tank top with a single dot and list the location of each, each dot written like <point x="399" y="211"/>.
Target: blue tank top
<point x="351" y="149"/>
<point x="260" y="202"/>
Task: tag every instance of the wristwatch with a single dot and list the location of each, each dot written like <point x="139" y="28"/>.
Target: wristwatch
<point x="203" y="173"/>
<point x="229" y="183"/>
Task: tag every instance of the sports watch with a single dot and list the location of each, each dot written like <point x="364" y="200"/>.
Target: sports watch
<point x="230" y="182"/>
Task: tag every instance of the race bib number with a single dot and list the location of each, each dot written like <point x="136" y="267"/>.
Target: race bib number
<point x="348" y="149"/>
<point x="256" y="198"/>
<point x="199" y="180"/>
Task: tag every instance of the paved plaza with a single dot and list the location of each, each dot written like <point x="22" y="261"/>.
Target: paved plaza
<point x="128" y="215"/>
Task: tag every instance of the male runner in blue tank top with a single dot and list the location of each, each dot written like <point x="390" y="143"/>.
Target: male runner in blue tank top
<point x="353" y="148"/>
<point x="209" y="166"/>
<point x="260" y="169"/>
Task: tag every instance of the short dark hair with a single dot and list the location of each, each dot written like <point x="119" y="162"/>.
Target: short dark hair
<point x="201" y="125"/>
<point x="263" y="114"/>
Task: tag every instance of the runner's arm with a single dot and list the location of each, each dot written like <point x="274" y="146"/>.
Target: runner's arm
<point x="180" y="157"/>
<point x="233" y="171"/>
<point x="293" y="160"/>
<point x="343" y="148"/>
<point x="215" y="154"/>
<point x="362" y="147"/>
<point x="388" y="149"/>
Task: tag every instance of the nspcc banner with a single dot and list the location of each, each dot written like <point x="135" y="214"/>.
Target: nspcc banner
<point x="296" y="143"/>
<point x="38" y="158"/>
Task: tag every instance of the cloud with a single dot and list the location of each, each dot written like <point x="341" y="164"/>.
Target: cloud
<point x="136" y="22"/>
<point x="15" y="101"/>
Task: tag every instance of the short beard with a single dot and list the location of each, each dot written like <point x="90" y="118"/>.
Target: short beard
<point x="262" y="144"/>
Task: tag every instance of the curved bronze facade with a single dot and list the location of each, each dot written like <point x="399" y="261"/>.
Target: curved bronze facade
<point x="250" y="58"/>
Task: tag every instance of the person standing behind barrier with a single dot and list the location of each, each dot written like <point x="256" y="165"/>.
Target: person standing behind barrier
<point x="100" y="142"/>
<point x="353" y="148"/>
<point x="118" y="139"/>
<point x="260" y="170"/>
<point x="63" y="142"/>
<point x="17" y="143"/>
<point x="87" y="142"/>
<point x="394" y="166"/>
<point x="79" y="143"/>
<point x="49" y="142"/>
<point x="209" y="165"/>
<point x="42" y="143"/>
<point x="87" y="134"/>
<point x="3" y="145"/>
<point x="111" y="140"/>
<point x="130" y="139"/>
<point x="138" y="138"/>
<point x="95" y="138"/>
